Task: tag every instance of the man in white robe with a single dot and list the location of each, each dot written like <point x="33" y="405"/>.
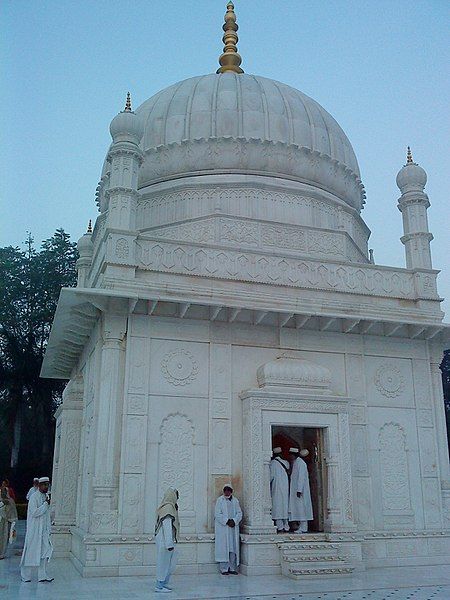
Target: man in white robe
<point x="227" y="517"/>
<point x="34" y="488"/>
<point x="300" y="506"/>
<point x="167" y="531"/>
<point x="38" y="548"/>
<point x="279" y="490"/>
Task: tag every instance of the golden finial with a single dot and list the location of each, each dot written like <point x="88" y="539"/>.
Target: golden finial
<point x="230" y="59"/>
<point x="128" y="103"/>
<point x="409" y="157"/>
<point x="89" y="229"/>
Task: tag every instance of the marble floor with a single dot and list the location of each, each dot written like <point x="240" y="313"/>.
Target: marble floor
<point x="399" y="583"/>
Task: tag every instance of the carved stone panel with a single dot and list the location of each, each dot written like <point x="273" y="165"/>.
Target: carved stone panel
<point x="68" y="469"/>
<point x="134" y="443"/>
<point x="138" y="356"/>
<point x="389" y="382"/>
<point x="132" y="505"/>
<point x="179" y="368"/>
<point x="176" y="459"/>
<point x="432" y="503"/>
<point x="427" y="449"/>
<point x="221" y="446"/>
<point x="395" y="484"/>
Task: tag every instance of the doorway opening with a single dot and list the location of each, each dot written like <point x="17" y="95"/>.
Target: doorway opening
<point x="311" y="439"/>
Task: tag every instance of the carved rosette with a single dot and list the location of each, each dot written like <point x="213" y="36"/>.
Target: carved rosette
<point x="389" y="381"/>
<point x="179" y="367"/>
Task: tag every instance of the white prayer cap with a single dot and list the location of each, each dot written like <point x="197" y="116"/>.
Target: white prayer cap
<point x="304" y="452"/>
<point x="44" y="480"/>
<point x="293" y="450"/>
<point x="228" y="485"/>
<point x="277" y="450"/>
<point x="36" y="479"/>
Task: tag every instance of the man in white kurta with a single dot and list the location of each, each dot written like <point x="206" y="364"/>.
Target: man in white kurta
<point x="34" y="488"/>
<point x="300" y="507"/>
<point x="167" y="531"/>
<point x="38" y="548"/>
<point x="227" y="517"/>
<point x="279" y="490"/>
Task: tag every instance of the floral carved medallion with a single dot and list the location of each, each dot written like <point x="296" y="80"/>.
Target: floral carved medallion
<point x="179" y="367"/>
<point x="389" y="381"/>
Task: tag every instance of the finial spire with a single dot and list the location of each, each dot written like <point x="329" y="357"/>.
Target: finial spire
<point x="230" y="59"/>
<point x="89" y="229"/>
<point x="128" y="103"/>
<point x="409" y="157"/>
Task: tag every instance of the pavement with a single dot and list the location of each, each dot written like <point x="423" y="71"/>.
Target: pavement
<point x="397" y="583"/>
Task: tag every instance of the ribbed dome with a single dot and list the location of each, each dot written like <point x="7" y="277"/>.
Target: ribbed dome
<point x="242" y="106"/>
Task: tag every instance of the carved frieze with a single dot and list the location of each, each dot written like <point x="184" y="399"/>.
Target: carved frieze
<point x="247" y="266"/>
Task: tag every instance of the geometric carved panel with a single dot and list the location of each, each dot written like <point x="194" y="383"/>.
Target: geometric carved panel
<point x="389" y="382"/>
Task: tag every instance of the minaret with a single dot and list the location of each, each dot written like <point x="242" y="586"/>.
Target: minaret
<point x="85" y="249"/>
<point x="126" y="157"/>
<point x="413" y="204"/>
<point x="230" y="60"/>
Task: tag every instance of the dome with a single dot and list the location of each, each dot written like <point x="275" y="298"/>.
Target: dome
<point x="246" y="123"/>
<point x="411" y="177"/>
<point x="295" y="372"/>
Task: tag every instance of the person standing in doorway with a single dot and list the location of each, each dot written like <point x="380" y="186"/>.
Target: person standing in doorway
<point x="34" y="488"/>
<point x="279" y="490"/>
<point x="38" y="548"/>
<point x="227" y="517"/>
<point x="300" y="506"/>
<point x="167" y="531"/>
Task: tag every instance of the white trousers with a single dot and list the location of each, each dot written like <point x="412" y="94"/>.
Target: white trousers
<point x="282" y="524"/>
<point x="230" y="565"/>
<point x="303" y="527"/>
<point x="27" y="572"/>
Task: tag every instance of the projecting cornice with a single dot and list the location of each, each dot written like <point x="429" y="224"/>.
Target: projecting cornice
<point x="79" y="309"/>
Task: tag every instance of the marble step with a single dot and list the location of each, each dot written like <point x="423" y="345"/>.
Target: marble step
<point x="305" y="559"/>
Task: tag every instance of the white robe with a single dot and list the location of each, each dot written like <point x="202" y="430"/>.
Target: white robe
<point x="227" y="538"/>
<point x="38" y="544"/>
<point x="166" y="560"/>
<point x="300" y="509"/>
<point x="279" y="488"/>
<point x="31" y="491"/>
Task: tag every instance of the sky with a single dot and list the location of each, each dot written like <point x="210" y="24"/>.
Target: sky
<point x="380" y="68"/>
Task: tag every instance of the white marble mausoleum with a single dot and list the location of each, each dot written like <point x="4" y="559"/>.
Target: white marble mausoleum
<point x="226" y="300"/>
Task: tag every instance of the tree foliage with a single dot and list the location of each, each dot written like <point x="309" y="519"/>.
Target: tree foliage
<point x="30" y="283"/>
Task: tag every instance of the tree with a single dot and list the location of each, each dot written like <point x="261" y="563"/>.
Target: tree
<point x="30" y="283"/>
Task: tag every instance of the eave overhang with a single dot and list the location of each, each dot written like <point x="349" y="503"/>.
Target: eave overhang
<point x="79" y="309"/>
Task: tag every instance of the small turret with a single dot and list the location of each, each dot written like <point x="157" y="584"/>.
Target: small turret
<point x="126" y="126"/>
<point x="413" y="204"/>
<point x="85" y="249"/>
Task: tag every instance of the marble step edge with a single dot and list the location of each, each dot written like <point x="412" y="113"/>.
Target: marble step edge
<point x="326" y="559"/>
<point x="341" y="570"/>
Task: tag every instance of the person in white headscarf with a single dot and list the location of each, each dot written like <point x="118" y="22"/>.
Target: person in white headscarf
<point x="167" y="531"/>
<point x="227" y="517"/>
<point x="38" y="548"/>
<point x="8" y="518"/>
<point x="279" y="490"/>
<point x="34" y="488"/>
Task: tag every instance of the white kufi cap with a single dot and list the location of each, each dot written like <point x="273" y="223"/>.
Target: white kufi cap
<point x="277" y="450"/>
<point x="304" y="452"/>
<point x="44" y="480"/>
<point x="293" y="450"/>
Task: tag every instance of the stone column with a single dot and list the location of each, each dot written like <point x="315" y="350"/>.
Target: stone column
<point x="65" y="464"/>
<point x="108" y="425"/>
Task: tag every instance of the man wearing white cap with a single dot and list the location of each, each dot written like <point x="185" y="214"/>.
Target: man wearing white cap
<point x="279" y="490"/>
<point x="300" y="507"/>
<point x="38" y="547"/>
<point x="34" y="488"/>
<point x="227" y="517"/>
